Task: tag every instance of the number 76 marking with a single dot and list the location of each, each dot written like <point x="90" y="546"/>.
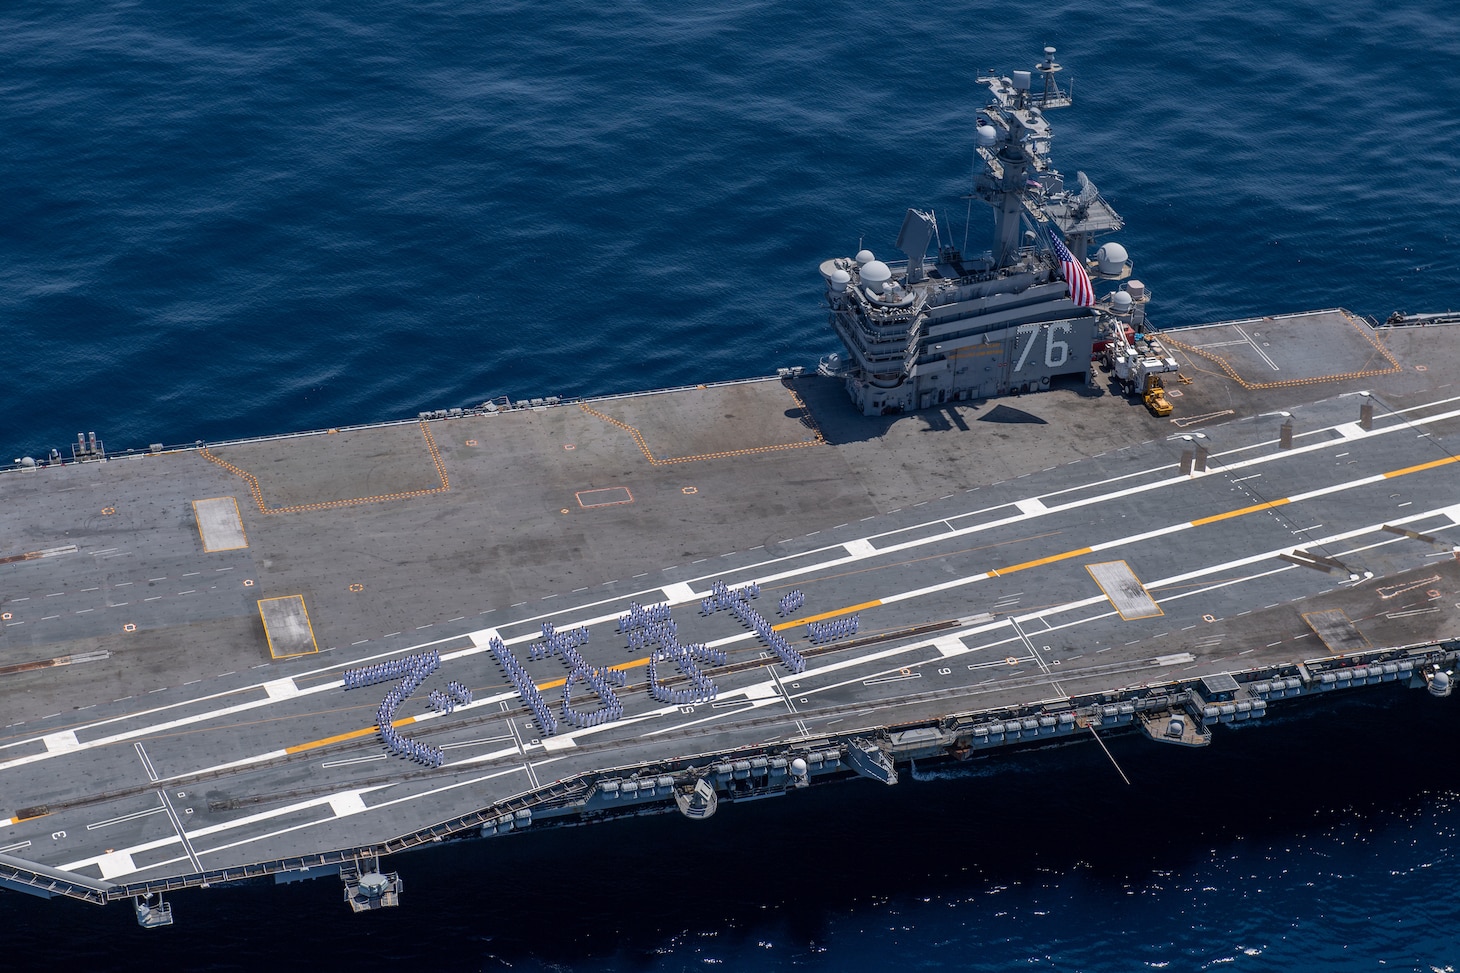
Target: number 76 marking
<point x="1056" y="350"/>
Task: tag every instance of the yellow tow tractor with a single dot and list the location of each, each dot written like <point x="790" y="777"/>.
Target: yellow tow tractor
<point x="1154" y="395"/>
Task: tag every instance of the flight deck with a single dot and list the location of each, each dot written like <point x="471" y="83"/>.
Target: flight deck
<point x="180" y="625"/>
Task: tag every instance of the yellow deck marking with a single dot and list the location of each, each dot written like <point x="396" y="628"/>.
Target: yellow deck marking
<point x="1240" y="512"/>
<point x="1423" y="466"/>
<point x="621" y="667"/>
<point x="1000" y="572"/>
<point x="831" y="614"/>
<point x="816" y="439"/>
<point x="257" y="491"/>
<point x="1232" y="373"/>
<point x="342" y="737"/>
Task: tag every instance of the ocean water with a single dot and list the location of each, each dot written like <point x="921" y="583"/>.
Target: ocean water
<point x="223" y="220"/>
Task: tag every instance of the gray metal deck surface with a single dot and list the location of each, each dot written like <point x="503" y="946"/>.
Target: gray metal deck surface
<point x="994" y="554"/>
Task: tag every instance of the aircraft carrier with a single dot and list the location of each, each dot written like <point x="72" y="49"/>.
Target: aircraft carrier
<point x="296" y="656"/>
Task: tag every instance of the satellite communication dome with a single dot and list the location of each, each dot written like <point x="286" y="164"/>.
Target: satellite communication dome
<point x="987" y="134"/>
<point x="1111" y="258"/>
<point x="798" y="767"/>
<point x="839" y="280"/>
<point x="875" y="273"/>
<point x="1121" y="301"/>
<point x="865" y="257"/>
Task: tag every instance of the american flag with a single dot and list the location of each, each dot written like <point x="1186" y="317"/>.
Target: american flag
<point x="1080" y="290"/>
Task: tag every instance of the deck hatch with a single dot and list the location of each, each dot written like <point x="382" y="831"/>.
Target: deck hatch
<point x="219" y="524"/>
<point x="1124" y="590"/>
<point x="1336" y="631"/>
<point x="286" y="626"/>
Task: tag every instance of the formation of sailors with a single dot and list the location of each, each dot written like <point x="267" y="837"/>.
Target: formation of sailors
<point x="565" y="645"/>
<point x="788" y="655"/>
<point x="557" y="643"/>
<point x="700" y="652"/>
<point x="722" y="596"/>
<point x="446" y="702"/>
<point x="602" y="680"/>
<point x="422" y="753"/>
<point x="425" y="664"/>
<point x="584" y="720"/>
<point x="610" y="711"/>
<point x="748" y="616"/>
<point x="639" y="616"/>
<point x="701" y="689"/>
<point x="392" y="669"/>
<point x="832" y="630"/>
<point x="645" y="636"/>
<point x="526" y="688"/>
<point x="791" y="601"/>
<point x="402" y="746"/>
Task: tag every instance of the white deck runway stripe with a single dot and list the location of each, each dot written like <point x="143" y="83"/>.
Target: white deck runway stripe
<point x="679" y="593"/>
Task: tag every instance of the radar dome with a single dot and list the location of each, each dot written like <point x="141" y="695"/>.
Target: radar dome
<point x="1111" y="259"/>
<point x="1120" y="300"/>
<point x="864" y="257"/>
<point x="987" y="135"/>
<point x="875" y="273"/>
<point x="839" y="280"/>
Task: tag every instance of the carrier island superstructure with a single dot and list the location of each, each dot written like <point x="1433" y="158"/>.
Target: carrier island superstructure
<point x="296" y="656"/>
<point x="920" y="332"/>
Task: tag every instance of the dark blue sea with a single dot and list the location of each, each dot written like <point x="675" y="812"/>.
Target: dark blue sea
<point x="232" y="219"/>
